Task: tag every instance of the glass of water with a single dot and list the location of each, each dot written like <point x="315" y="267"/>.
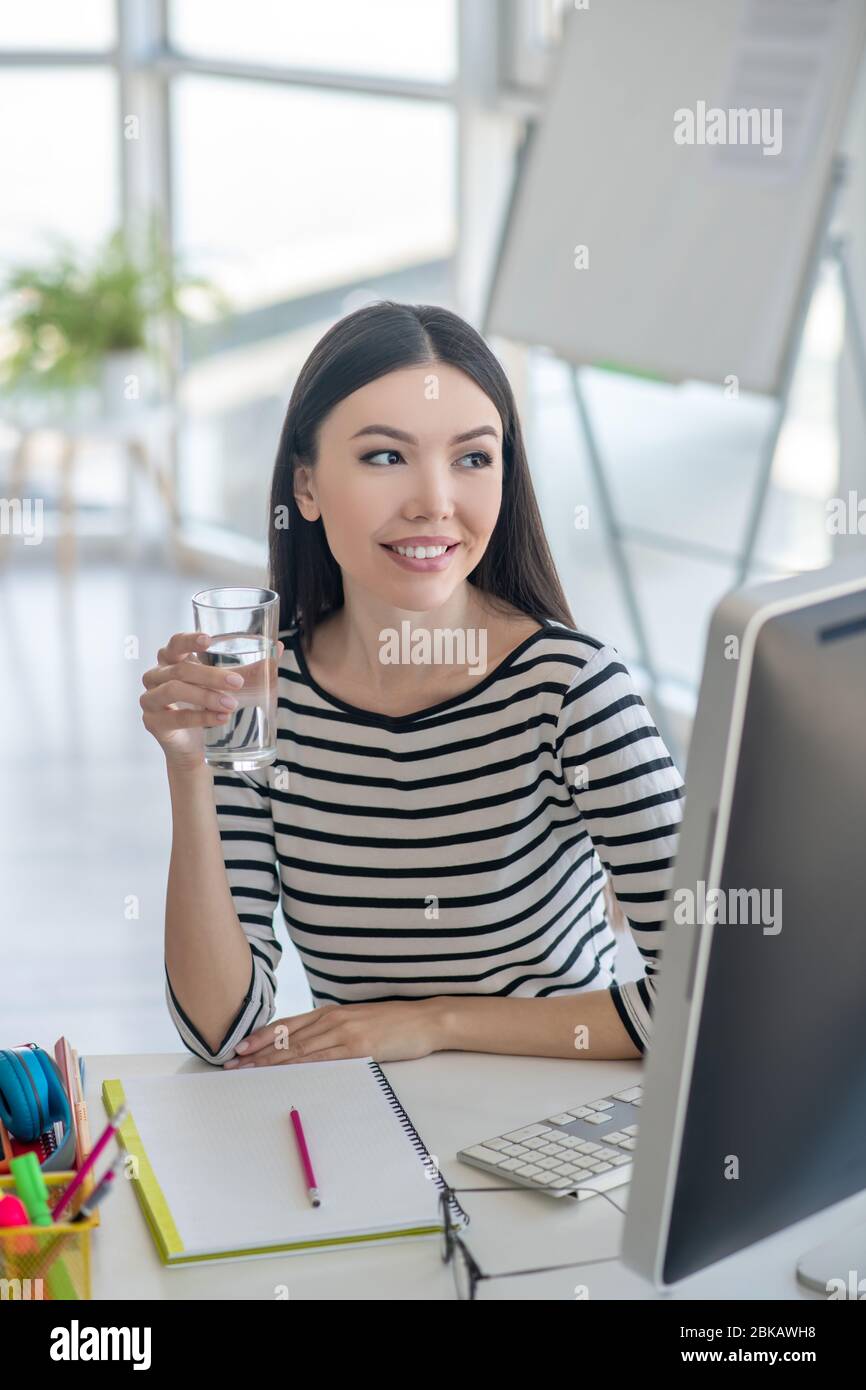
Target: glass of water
<point x="244" y="625"/>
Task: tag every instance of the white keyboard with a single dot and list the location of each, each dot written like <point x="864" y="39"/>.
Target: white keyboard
<point x="590" y="1145"/>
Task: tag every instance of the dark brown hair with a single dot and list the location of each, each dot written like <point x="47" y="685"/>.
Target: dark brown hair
<point x="516" y="568"/>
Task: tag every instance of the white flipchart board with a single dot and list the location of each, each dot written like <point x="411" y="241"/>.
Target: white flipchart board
<point x="697" y="253"/>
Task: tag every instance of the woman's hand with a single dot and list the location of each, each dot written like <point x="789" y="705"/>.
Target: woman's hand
<point x="392" y="1032"/>
<point x="178" y="676"/>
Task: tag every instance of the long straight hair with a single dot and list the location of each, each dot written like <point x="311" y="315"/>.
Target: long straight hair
<point x="516" y="569"/>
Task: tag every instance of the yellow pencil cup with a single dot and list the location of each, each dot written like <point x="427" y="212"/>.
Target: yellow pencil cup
<point x="47" y="1262"/>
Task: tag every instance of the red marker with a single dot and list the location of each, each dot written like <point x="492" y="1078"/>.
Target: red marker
<point x="305" y="1157"/>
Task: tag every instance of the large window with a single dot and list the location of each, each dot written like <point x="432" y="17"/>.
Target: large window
<point x="58" y="26"/>
<point x="383" y="38"/>
<point x="60" y="172"/>
<point x="281" y="191"/>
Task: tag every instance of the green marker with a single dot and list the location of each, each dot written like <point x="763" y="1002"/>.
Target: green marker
<point x="33" y="1190"/>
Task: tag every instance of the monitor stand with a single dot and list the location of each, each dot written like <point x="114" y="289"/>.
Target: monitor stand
<point x="837" y="1269"/>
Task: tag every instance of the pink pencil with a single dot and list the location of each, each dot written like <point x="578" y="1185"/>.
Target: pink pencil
<point x="110" y="1129"/>
<point x="305" y="1156"/>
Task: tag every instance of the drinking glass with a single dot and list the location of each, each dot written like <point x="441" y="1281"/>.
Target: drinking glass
<point x="244" y="624"/>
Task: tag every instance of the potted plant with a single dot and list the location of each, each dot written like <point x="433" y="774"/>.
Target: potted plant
<point x="83" y="321"/>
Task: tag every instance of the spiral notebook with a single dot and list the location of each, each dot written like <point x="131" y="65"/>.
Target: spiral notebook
<point x="219" y="1176"/>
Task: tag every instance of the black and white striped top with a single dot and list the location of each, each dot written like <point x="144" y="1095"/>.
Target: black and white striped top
<point x="458" y="849"/>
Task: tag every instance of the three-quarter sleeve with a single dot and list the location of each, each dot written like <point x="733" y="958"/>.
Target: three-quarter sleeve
<point x="629" y="794"/>
<point x="243" y="810"/>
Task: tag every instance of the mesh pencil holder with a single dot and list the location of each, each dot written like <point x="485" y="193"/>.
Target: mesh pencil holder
<point x="47" y="1262"/>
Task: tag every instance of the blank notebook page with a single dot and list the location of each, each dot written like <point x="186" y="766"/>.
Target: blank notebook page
<point x="222" y="1148"/>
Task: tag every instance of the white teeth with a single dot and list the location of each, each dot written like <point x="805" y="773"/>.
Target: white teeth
<point x="419" y="552"/>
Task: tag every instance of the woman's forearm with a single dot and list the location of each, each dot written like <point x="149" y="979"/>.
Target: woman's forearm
<point x="207" y="955"/>
<point x="579" y="1025"/>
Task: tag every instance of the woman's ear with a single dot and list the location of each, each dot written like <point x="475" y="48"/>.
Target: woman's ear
<point x="302" y="485"/>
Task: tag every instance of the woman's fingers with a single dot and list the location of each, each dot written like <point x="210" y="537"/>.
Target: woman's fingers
<point x="164" y="721"/>
<point x="324" y="1040"/>
<point x="214" y="677"/>
<point x="180" y="645"/>
<point x="283" y="1028"/>
<point x="167" y="692"/>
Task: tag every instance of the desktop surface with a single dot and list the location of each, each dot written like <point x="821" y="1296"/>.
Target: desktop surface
<point x="453" y="1098"/>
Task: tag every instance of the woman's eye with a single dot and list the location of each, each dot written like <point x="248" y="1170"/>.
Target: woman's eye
<point x="479" y="454"/>
<point x="383" y="453"/>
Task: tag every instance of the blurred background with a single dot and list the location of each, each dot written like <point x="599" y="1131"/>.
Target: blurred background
<point x="192" y="194"/>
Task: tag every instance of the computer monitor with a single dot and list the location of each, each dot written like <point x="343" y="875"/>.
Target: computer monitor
<point x="754" y="1105"/>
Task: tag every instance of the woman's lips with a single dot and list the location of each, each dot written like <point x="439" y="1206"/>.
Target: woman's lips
<point x="435" y="562"/>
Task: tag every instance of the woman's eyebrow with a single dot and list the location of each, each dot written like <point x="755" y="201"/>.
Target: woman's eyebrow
<point x="410" y="438"/>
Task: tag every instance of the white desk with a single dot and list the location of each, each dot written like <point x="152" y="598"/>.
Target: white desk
<point x="454" y="1099"/>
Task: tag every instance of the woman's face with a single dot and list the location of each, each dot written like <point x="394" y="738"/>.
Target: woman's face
<point x="413" y="459"/>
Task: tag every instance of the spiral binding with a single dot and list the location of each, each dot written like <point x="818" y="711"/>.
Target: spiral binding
<point x="457" y="1212"/>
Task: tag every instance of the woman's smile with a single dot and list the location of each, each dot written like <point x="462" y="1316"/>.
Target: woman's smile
<point x="422" y="553"/>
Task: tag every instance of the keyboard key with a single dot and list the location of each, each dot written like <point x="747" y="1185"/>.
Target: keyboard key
<point x="563" y="1183"/>
<point x="628" y="1144"/>
<point x="549" y="1162"/>
<point x="546" y="1179"/>
<point x="613" y="1138"/>
<point x="605" y="1153"/>
<point x="548" y="1150"/>
<point x="581" y="1112"/>
<point x="503" y="1143"/>
<point x="596" y="1119"/>
<point x="528" y="1132"/>
<point x="510" y="1165"/>
<point x="631" y="1094"/>
<point x="538" y="1143"/>
<point x="516" y="1151"/>
<point x="488" y="1155"/>
<point x="604" y="1105"/>
<point x="588" y="1146"/>
<point x="629" y="1129"/>
<point x="602" y="1167"/>
<point x="570" y="1141"/>
<point x="564" y="1119"/>
<point x="620" y="1160"/>
<point x="529" y="1170"/>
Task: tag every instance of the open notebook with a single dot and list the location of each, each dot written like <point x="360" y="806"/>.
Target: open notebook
<point x="220" y="1176"/>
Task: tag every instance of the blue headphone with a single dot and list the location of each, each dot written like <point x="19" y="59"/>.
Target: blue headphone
<point x="33" y="1098"/>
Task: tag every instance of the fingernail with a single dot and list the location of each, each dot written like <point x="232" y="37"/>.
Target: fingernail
<point x="228" y="701"/>
<point x="241" y="1047"/>
<point x="203" y="639"/>
<point x="232" y="1063"/>
<point x="234" y="679"/>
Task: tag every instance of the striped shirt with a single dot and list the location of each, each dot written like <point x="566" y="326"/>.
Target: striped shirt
<point x="458" y="850"/>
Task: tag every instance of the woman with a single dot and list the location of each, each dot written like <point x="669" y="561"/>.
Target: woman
<point x="439" y="830"/>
